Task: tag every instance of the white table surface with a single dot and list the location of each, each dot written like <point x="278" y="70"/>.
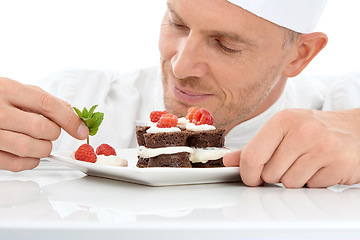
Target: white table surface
<point x="56" y="202"/>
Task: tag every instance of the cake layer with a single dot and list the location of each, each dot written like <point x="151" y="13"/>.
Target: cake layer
<point x="165" y="139"/>
<point x="176" y="160"/>
<point x="140" y="131"/>
<point x="142" y="162"/>
<point x="170" y="160"/>
<point x="209" y="164"/>
<point x="205" y="139"/>
<point x="202" y="139"/>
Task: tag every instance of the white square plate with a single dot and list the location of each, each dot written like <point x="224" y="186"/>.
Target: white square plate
<point x="149" y="176"/>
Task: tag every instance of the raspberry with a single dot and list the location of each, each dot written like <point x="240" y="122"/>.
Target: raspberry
<point x="191" y="112"/>
<point x="203" y="116"/>
<point x="155" y="115"/>
<point x="105" y="149"/>
<point x="167" y="121"/>
<point x="86" y="153"/>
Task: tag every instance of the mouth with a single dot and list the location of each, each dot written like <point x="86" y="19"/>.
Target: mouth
<point x="189" y="96"/>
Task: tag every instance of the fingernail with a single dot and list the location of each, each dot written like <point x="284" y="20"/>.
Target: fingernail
<point x="83" y="131"/>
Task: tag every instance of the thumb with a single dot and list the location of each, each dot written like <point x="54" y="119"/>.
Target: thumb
<point x="83" y="130"/>
<point x="232" y="159"/>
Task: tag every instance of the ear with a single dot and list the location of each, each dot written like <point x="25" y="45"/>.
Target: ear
<point x="303" y="51"/>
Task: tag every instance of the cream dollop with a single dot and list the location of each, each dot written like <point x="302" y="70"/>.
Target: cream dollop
<point x="196" y="154"/>
<point x="198" y="128"/>
<point x="154" y="129"/>
<point x="207" y="154"/>
<point x="153" y="152"/>
<point x="182" y="122"/>
<point x="111" y="160"/>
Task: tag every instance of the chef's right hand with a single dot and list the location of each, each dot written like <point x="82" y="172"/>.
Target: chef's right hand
<point x="30" y="119"/>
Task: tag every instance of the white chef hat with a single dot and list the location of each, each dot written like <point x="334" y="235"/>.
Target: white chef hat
<point x="298" y="15"/>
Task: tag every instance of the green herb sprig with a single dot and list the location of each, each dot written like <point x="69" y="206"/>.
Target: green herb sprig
<point x="91" y="119"/>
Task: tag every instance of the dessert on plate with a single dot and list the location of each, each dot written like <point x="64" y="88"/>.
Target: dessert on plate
<point x="188" y="142"/>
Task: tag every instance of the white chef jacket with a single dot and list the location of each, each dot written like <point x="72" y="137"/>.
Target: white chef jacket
<point x="128" y="98"/>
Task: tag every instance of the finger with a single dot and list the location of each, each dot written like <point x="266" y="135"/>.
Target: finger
<point x="325" y="177"/>
<point x="14" y="163"/>
<point x="288" y="151"/>
<point x="301" y="171"/>
<point x="41" y="102"/>
<point x="259" y="151"/>
<point x="64" y="102"/>
<point x="343" y="171"/>
<point x="232" y="159"/>
<point x="23" y="145"/>
<point x="34" y="125"/>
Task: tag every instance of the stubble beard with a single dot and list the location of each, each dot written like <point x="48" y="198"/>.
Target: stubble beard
<point x="225" y="114"/>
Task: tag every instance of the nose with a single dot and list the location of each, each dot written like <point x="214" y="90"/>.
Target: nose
<point x="189" y="60"/>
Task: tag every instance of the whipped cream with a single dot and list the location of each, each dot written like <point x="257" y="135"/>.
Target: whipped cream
<point x="196" y="154"/>
<point x="154" y="129"/>
<point x="183" y="123"/>
<point x="198" y="128"/>
<point x="203" y="155"/>
<point x="111" y="160"/>
<point x="153" y="152"/>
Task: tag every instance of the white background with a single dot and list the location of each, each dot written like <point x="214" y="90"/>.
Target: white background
<point x="39" y="37"/>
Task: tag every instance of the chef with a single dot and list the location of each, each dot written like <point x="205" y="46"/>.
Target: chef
<point x="240" y="59"/>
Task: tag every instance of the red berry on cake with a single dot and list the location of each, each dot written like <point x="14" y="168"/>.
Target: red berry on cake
<point x="105" y="149"/>
<point x="86" y="153"/>
<point x="167" y="121"/>
<point x="156" y="115"/>
<point x="202" y="116"/>
<point x="191" y="112"/>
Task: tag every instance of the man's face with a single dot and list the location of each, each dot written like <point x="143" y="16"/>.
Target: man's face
<point x="217" y="56"/>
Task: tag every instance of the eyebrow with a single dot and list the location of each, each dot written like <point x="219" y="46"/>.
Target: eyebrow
<point x="232" y="36"/>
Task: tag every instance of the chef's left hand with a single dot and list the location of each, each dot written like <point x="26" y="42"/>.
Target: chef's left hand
<point x="298" y="147"/>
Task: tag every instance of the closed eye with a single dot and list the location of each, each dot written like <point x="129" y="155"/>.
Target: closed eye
<point x="226" y="49"/>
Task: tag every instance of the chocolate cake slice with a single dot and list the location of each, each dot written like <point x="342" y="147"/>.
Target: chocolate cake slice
<point x="168" y="141"/>
<point x="181" y="142"/>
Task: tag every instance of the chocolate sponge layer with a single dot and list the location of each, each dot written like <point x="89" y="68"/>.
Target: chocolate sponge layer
<point x="170" y="160"/>
<point x="204" y="139"/>
<point x="140" y="131"/>
<point x="157" y="140"/>
<point x="209" y="164"/>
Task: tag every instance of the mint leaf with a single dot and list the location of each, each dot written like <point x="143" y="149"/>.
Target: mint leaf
<point x="90" y="122"/>
<point x="98" y="117"/>
<point x="78" y="112"/>
<point x="92" y="119"/>
<point x="93" y="131"/>
<point x="92" y="109"/>
<point x="85" y="113"/>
